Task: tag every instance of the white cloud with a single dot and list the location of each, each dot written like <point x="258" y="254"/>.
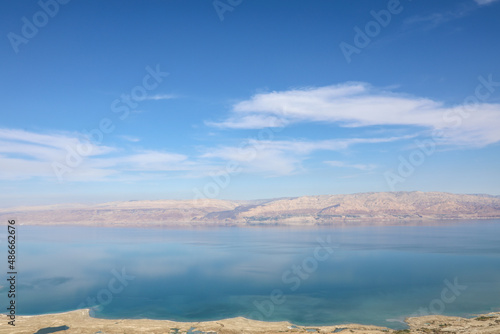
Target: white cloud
<point x="260" y="157"/>
<point x="145" y="161"/>
<point x="51" y="141"/>
<point x="158" y="97"/>
<point x="250" y="122"/>
<point x="366" y="167"/>
<point x="130" y="138"/>
<point x="484" y="2"/>
<point x="25" y="155"/>
<point x="360" y="105"/>
<point x="279" y="157"/>
<point x="434" y="20"/>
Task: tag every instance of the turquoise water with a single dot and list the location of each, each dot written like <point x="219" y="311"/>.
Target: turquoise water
<point x="309" y="276"/>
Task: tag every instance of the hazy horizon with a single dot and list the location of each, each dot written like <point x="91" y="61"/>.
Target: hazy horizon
<point x="3" y="206"/>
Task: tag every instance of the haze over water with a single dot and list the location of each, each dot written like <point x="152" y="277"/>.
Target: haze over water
<point x="374" y="273"/>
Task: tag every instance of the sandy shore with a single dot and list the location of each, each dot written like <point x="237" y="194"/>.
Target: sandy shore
<point x="80" y="322"/>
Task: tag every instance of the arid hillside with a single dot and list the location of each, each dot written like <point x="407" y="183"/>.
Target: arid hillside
<point x="306" y="210"/>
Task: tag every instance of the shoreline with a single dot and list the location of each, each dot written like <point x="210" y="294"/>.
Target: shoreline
<point x="80" y="321"/>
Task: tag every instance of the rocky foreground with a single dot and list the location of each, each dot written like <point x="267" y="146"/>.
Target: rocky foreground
<point x="80" y="322"/>
<point x="384" y="208"/>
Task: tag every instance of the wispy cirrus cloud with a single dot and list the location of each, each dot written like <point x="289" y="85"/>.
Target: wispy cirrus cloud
<point x="145" y="161"/>
<point x="433" y="20"/>
<point x="249" y="122"/>
<point x="485" y="2"/>
<point x="283" y="157"/>
<point x="25" y="154"/>
<point x="130" y="138"/>
<point x="158" y="97"/>
<point x="342" y="164"/>
<point x="356" y="104"/>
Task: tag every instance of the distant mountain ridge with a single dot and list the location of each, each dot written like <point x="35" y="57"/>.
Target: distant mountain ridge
<point x="305" y="210"/>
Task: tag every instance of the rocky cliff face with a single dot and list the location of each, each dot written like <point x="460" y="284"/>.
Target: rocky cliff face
<point x="383" y="205"/>
<point x="304" y="210"/>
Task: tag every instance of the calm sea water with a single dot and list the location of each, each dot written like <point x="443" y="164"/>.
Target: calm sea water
<point x="314" y="276"/>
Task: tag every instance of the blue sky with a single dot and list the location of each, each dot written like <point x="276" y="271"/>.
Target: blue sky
<point x="230" y="99"/>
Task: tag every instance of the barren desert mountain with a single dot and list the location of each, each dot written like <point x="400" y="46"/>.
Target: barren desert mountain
<point x="305" y="210"/>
